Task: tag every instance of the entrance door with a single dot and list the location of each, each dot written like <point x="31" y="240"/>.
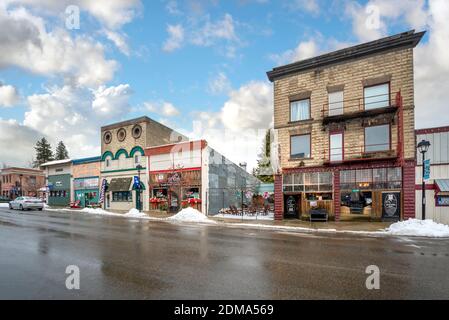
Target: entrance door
<point x="108" y="201"/>
<point x="292" y="203"/>
<point x="138" y="200"/>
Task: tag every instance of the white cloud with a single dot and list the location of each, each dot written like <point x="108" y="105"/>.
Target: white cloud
<point x="172" y="7"/>
<point x="238" y="129"/>
<point x="75" y="115"/>
<point x="219" y="84"/>
<point x="371" y="21"/>
<point x="8" y="95"/>
<point x="111" y="13"/>
<point x="119" y="41"/>
<point x="163" y="108"/>
<point x="211" y="31"/>
<point x="19" y="140"/>
<point x="205" y="32"/>
<point x="175" y="39"/>
<point x="310" y="6"/>
<point x="111" y="102"/>
<point x="28" y="45"/>
<point x="304" y="50"/>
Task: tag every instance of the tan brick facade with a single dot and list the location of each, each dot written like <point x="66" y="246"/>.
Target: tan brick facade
<point x="371" y="172"/>
<point x="395" y="64"/>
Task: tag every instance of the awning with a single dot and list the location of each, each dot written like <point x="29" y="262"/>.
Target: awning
<point x="442" y="185"/>
<point x="120" y="184"/>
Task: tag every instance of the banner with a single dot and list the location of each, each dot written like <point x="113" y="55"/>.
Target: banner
<point x="103" y="190"/>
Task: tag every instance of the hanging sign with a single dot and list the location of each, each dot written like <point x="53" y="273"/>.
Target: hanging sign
<point x="136" y="184"/>
<point x="103" y="190"/>
<point x="427" y="169"/>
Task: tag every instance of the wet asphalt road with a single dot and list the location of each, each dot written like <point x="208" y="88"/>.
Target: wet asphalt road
<point x="129" y="258"/>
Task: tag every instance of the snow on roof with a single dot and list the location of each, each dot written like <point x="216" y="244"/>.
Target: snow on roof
<point x="55" y="162"/>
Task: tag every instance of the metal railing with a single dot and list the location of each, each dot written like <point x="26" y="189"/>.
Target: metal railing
<point x="351" y="106"/>
<point x="370" y="151"/>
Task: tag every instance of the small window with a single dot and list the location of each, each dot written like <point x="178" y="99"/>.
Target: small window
<point x="335" y="103"/>
<point x="137" y="159"/>
<point x="300" y="146"/>
<point x="377" y="96"/>
<point x="377" y="138"/>
<point x="108" y="163"/>
<point x="300" y="110"/>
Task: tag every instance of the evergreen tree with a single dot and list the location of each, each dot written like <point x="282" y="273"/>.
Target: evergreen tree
<point x="43" y="152"/>
<point x="264" y="171"/>
<point x="61" y="152"/>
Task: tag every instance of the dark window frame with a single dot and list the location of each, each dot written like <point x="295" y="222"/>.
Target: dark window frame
<point x="310" y="146"/>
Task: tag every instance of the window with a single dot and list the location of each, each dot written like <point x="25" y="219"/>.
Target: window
<point x="377" y="96"/>
<point x="377" y="138"/>
<point x="137" y="158"/>
<point x="300" y="146"/>
<point x="108" y="162"/>
<point x="336" y="147"/>
<point x="308" y="182"/>
<point x="371" y="179"/>
<point x="300" y="110"/>
<point x="122" y="196"/>
<point x="335" y="103"/>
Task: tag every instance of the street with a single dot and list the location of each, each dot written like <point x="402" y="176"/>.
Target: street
<point x="123" y="258"/>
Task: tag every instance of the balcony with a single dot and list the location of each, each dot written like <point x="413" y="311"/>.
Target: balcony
<point x="372" y="152"/>
<point x="359" y="108"/>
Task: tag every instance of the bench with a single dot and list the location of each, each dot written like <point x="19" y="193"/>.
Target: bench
<point x="318" y="215"/>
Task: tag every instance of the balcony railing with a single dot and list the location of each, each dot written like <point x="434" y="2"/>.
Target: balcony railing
<point x="361" y="153"/>
<point x="352" y="108"/>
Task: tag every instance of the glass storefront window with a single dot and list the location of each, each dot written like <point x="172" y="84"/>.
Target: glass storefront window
<point x="366" y="179"/>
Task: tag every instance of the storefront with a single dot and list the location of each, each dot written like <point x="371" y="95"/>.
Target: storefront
<point x="59" y="187"/>
<point x="86" y="191"/>
<point x="366" y="193"/>
<point x="175" y="190"/>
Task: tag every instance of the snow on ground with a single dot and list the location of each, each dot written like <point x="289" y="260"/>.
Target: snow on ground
<point x="268" y="217"/>
<point x="134" y="213"/>
<point x="419" y="228"/>
<point x="190" y="215"/>
<point x="4" y="205"/>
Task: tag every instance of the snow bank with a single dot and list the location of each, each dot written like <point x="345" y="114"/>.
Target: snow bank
<point x="190" y="215"/>
<point x="4" y="205"/>
<point x="268" y="217"/>
<point x="419" y="228"/>
<point x="134" y="213"/>
<point x="95" y="211"/>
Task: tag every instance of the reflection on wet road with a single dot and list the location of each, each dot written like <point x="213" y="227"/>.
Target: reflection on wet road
<point x="129" y="258"/>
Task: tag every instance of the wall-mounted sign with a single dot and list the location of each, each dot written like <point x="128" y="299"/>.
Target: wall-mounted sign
<point x="443" y="201"/>
<point x="391" y="205"/>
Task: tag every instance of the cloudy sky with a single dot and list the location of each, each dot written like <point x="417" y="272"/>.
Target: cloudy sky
<point x="196" y="65"/>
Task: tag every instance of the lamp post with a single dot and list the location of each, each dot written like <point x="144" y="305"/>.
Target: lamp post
<point x="21" y="190"/>
<point x="423" y="147"/>
<point x="139" y="167"/>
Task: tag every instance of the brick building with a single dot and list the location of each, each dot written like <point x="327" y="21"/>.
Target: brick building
<point x="21" y="182"/>
<point x="345" y="128"/>
<point x="122" y="149"/>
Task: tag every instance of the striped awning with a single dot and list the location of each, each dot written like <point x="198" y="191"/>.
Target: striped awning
<point x="442" y="185"/>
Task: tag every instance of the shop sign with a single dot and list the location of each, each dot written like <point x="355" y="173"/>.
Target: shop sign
<point x="174" y="178"/>
<point x="391" y="205"/>
<point x="443" y="201"/>
<point x="58" y="183"/>
<point x="136" y="183"/>
<point x="291" y="205"/>
<point x="103" y="190"/>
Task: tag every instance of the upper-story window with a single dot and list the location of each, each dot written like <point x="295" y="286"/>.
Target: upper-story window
<point x="335" y="103"/>
<point x="377" y="138"/>
<point x="137" y="158"/>
<point x="377" y="96"/>
<point x="300" y="146"/>
<point x="300" y="110"/>
<point x="108" y="162"/>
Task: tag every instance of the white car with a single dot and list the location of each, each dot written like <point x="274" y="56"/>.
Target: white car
<point x="26" y="203"/>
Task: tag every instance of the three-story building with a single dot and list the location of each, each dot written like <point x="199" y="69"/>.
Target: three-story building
<point x="345" y="128"/>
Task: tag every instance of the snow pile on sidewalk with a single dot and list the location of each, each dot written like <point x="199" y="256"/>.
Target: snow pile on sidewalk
<point x="95" y="211"/>
<point x="419" y="228"/>
<point x="4" y="205"/>
<point x="134" y="213"/>
<point x="190" y="215"/>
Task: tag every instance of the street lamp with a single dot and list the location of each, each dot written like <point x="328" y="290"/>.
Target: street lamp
<point x="21" y="190"/>
<point x="423" y="147"/>
<point x="139" y="167"/>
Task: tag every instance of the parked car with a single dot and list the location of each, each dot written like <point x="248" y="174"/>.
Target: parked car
<point x="26" y="203"/>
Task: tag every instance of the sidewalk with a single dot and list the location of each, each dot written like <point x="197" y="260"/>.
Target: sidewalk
<point x="331" y="225"/>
